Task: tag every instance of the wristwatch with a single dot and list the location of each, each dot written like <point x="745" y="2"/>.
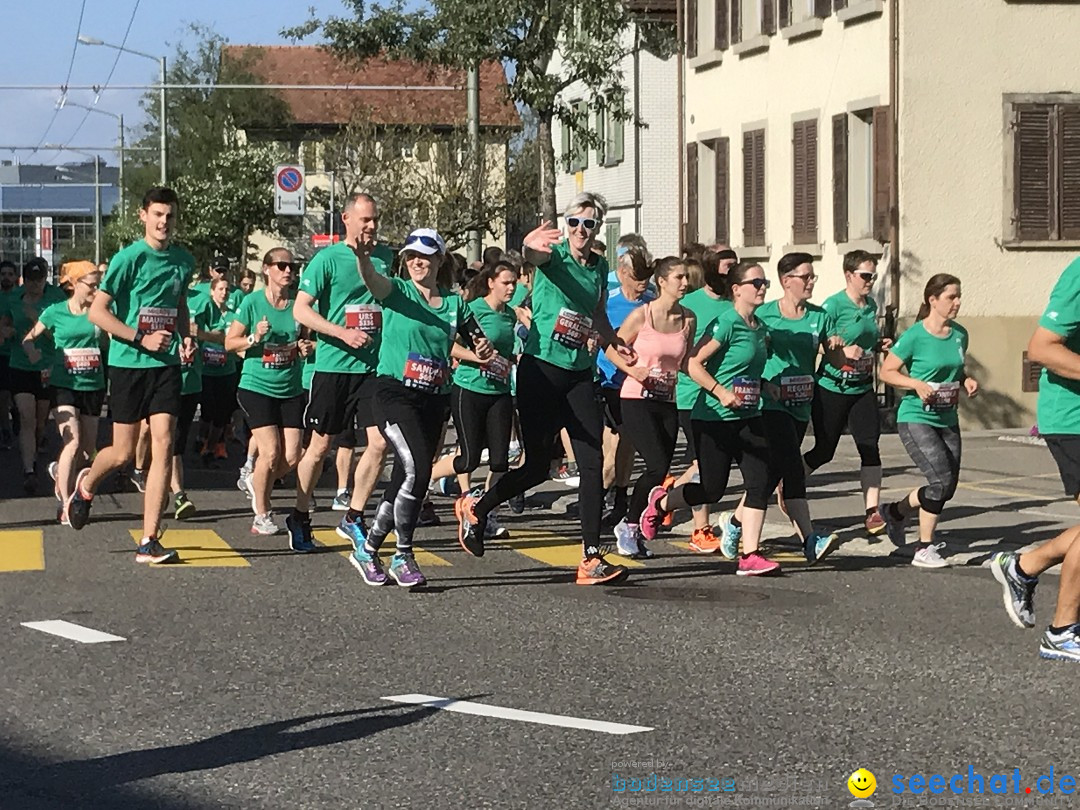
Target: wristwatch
<point x="139" y="335"/>
<point x="251" y="340"/>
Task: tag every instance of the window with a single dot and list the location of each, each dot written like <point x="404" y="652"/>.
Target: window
<point x="691" y="234"/>
<point x="793" y="12"/>
<point x="406" y="151"/>
<point x="804" y="183"/>
<point x="611" y="132"/>
<point x="1046" y="170"/>
<point x="612" y="232"/>
<point x="862" y="175"/>
<point x="754" y="188"/>
<point x="691" y="28"/>
<point x="721" y="16"/>
<point x="722" y="190"/>
<point x="575" y="152"/>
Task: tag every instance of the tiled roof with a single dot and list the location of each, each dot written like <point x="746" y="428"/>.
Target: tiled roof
<point x="308" y="64"/>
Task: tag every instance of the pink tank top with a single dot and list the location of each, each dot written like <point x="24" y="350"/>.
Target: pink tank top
<point x="661" y="353"/>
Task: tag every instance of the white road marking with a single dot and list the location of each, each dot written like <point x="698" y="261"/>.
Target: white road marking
<point x="484" y="710"/>
<point x="75" y="632"/>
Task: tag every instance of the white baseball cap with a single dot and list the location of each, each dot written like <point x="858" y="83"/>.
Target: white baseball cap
<point x="426" y="241"/>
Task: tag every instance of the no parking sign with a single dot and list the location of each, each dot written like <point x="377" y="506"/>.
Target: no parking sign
<point x="289" y="190"/>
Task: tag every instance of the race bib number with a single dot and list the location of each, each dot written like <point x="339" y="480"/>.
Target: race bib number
<point x="796" y="390"/>
<point x="155" y="319"/>
<point x="572" y="329"/>
<point x="946" y="397"/>
<point x="213" y="355"/>
<point x="278" y="355"/>
<point x="82" y="361"/>
<point x="367" y="317"/>
<point x="497" y="369"/>
<point x="858" y="369"/>
<point x="748" y="389"/>
<point x="659" y="385"/>
<point x="425" y="374"/>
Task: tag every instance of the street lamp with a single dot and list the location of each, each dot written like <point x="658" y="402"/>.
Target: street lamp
<point x="87" y="40"/>
<point x="65" y="101"/>
<point x="97" y="195"/>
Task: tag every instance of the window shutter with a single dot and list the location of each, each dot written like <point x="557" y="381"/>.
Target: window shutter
<point x="1069" y="127"/>
<point x="721" y="12"/>
<point x="768" y="17"/>
<point x="839" y="4"/>
<point x="798" y="183"/>
<point x="618" y="140"/>
<point x="811" y="183"/>
<point x="581" y="150"/>
<point x="722" y="148"/>
<point x="822" y="8"/>
<point x="602" y="152"/>
<point x="691" y="28"/>
<point x="883" y="151"/>
<point x="691" y="192"/>
<point x="564" y="142"/>
<point x="1033" y="190"/>
<point x="735" y="29"/>
<point x="840" y="177"/>
<point x="754" y="188"/>
<point x="784" y="14"/>
<point x="759" y="186"/>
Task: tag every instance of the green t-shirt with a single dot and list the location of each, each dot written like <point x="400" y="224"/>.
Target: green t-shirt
<point x="706" y="308"/>
<point x="216" y="362"/>
<point x="564" y="297"/>
<point x="341" y="297"/>
<point x="494" y="377"/>
<point x="146" y="286"/>
<point x="5" y="301"/>
<point x="1059" y="397"/>
<point x="521" y="292"/>
<point x="24" y="315"/>
<point x="272" y="366"/>
<point x="858" y="327"/>
<point x="191" y="374"/>
<point x="77" y="363"/>
<point x="417" y="338"/>
<point x="936" y="360"/>
<point x="793" y="354"/>
<point x="737" y="365"/>
<point x="232" y="300"/>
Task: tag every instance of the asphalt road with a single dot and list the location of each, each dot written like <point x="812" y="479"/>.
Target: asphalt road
<point x="252" y="677"/>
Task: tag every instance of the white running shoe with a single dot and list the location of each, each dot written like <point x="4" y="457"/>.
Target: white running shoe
<point x="929" y="557"/>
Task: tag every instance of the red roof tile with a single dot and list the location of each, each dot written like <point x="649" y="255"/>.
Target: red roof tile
<point x="308" y="64"/>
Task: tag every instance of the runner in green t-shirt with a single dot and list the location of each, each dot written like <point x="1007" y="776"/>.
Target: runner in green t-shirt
<point x="421" y="321"/>
<point x="270" y="393"/>
<point x="219" y="373"/>
<point x="933" y="353"/>
<point x="568" y="311"/>
<point x="844" y="396"/>
<point x="1056" y="347"/>
<point x="142" y="304"/>
<point x="78" y="374"/>
<point x="9" y="276"/>
<point x="30" y="379"/>
<point x="480" y="400"/>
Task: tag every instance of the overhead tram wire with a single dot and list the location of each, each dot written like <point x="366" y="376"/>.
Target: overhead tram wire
<point x="71" y="67"/>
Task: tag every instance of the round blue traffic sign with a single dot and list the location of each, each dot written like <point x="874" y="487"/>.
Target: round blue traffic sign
<point x="289" y="179"/>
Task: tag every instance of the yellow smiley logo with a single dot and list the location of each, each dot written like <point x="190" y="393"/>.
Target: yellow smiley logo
<point x="862" y="784"/>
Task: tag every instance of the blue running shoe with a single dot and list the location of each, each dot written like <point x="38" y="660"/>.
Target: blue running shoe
<point x="1061" y="647"/>
<point x="819" y="546"/>
<point x="405" y="571"/>
<point x="369" y="566"/>
<point x="729" y="536"/>
<point x="354" y="531"/>
<point x="301" y="538"/>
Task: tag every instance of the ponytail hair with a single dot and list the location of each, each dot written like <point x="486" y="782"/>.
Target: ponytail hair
<point x="934" y="288"/>
<point x="477" y="286"/>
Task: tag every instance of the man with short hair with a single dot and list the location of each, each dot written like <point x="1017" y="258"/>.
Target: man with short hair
<point x="9" y="275"/>
<point x="492" y="254"/>
<point x="334" y="301"/>
<point x="142" y="304"/>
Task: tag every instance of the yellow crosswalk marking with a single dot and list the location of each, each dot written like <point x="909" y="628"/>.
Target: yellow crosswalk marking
<point x="22" y="550"/>
<point x="330" y="539"/>
<point x="553" y="549"/>
<point x="199" y="547"/>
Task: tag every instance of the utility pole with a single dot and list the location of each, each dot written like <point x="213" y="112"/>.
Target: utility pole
<point x="473" y="91"/>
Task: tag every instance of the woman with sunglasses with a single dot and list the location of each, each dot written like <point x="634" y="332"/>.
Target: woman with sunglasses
<point x="421" y="319"/>
<point x="728" y="363"/>
<point x="77" y="373"/>
<point x="844" y="396"/>
<point x="932" y="352"/>
<point x="798" y="331"/>
<point x="219" y="378"/>
<point x="270" y="393"/>
<point x="555" y="381"/>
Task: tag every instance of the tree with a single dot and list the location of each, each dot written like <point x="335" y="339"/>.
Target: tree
<point x="523" y="35"/>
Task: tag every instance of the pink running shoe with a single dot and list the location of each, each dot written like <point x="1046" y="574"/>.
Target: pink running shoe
<point x="754" y="565"/>
<point x="653" y="515"/>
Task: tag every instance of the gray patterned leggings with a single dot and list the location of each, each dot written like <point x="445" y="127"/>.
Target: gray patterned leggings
<point x="937" y="453"/>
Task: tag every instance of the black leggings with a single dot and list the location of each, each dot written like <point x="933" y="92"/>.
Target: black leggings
<point x="785" y="434"/>
<point x="718" y="443"/>
<point x="482" y="420"/>
<point x="550" y="398"/>
<point x="412" y="423"/>
<point x="831" y="412"/>
<point x="188" y="404"/>
<point x="218" y="399"/>
<point x="652" y="428"/>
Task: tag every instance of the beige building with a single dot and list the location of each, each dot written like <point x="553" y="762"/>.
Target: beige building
<point x="942" y="132"/>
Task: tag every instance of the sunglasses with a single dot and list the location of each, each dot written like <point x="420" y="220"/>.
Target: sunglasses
<point x="426" y="241"/>
<point x="759" y="283"/>
<point x="283" y="266"/>
<point x="92" y="286"/>
<point x="805" y="278"/>
<point x="588" y="223"/>
<point x="871" y="277"/>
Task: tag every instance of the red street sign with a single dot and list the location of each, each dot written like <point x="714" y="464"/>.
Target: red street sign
<point x="324" y="239"/>
<point x="46" y="238"/>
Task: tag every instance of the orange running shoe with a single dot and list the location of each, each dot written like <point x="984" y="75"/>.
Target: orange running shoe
<point x="703" y="541"/>
<point x="598" y="571"/>
<point x="219" y="451"/>
<point x="669" y="482"/>
<point x="875" y="524"/>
